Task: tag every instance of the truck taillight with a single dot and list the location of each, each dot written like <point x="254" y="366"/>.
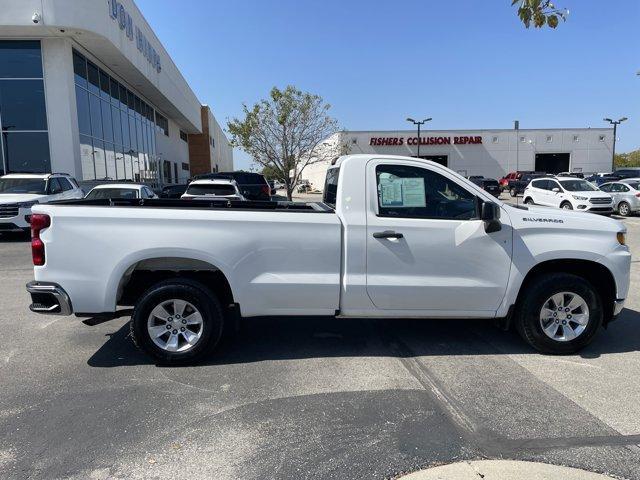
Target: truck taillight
<point x="39" y="222"/>
<point x="638" y="195"/>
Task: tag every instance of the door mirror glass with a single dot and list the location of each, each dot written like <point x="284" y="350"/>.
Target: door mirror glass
<point x="490" y="215"/>
<point x="555" y="189"/>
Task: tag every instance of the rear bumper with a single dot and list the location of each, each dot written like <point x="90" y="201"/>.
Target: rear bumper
<point x="49" y="299"/>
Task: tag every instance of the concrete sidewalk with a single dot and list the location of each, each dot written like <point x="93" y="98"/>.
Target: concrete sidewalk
<point x="503" y="470"/>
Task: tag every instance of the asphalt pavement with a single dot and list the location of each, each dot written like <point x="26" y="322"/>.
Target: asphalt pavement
<point x="299" y="398"/>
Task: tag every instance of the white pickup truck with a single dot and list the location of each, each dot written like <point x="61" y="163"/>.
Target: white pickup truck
<point x="395" y="237"/>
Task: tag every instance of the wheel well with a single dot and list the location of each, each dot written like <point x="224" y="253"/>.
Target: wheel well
<point x="142" y="275"/>
<point x="595" y="273"/>
<point x="565" y="201"/>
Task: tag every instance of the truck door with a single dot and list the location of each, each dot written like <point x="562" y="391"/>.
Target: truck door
<point x="427" y="249"/>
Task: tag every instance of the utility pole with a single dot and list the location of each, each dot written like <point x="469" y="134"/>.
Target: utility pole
<point x="615" y="124"/>
<point x="419" y="124"/>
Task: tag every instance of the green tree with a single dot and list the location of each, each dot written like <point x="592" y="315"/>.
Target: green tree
<point x="284" y="133"/>
<point x="539" y="13"/>
<point x="630" y="159"/>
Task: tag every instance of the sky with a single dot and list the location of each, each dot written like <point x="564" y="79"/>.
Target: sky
<point x="468" y="64"/>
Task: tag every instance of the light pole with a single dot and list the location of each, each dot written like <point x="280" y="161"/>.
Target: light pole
<point x="615" y="124"/>
<point x="419" y="124"/>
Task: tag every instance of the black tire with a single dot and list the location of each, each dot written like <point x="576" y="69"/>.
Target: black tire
<point x="624" y="209"/>
<point x="513" y="192"/>
<point x="566" y="206"/>
<point x="529" y="201"/>
<point x="200" y="297"/>
<point x="527" y="317"/>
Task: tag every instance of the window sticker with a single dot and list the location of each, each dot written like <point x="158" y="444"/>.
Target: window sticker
<point x="402" y="192"/>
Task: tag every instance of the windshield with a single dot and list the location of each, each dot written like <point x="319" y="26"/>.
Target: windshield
<point x="22" y="185"/>
<point x="577" y="186"/>
<point x="102" y="193"/>
<point x="211" y="189"/>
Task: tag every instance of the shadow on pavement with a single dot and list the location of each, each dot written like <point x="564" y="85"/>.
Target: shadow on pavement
<point x="287" y="338"/>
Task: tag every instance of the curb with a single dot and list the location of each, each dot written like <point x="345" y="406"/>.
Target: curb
<point x="503" y="470"/>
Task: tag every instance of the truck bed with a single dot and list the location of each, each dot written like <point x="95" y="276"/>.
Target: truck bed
<point x="214" y="204"/>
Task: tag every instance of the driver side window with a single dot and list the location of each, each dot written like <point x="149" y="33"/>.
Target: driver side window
<point x="413" y="192"/>
<point x="54" y="186"/>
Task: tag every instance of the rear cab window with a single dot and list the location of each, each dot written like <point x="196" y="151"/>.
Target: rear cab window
<point x="331" y="187"/>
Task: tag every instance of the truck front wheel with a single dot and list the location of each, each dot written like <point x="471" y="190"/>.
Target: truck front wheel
<point x="177" y="321"/>
<point x="559" y="313"/>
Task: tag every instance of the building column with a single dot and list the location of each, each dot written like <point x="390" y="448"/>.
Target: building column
<point x="62" y="117"/>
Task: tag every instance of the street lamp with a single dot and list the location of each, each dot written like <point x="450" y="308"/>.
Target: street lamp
<point x="419" y="124"/>
<point x="615" y="124"/>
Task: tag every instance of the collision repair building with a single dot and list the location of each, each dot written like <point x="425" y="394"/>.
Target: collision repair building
<point x="86" y="88"/>
<point x="491" y="153"/>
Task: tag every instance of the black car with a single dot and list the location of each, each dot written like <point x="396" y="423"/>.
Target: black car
<point x="253" y="186"/>
<point x="487" y="184"/>
<point x="627" y="173"/>
<point x="516" y="187"/>
<point x="173" y="191"/>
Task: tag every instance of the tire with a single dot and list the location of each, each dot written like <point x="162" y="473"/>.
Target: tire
<point x="529" y="201"/>
<point x="539" y="292"/>
<point x="204" y="330"/>
<point x="566" y="206"/>
<point x="513" y="192"/>
<point x="624" y="209"/>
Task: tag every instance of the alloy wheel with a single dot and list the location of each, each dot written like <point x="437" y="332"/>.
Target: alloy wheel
<point x="564" y="316"/>
<point x="175" y="325"/>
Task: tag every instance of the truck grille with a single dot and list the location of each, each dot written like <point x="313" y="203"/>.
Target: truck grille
<point x="8" y="211"/>
<point x="601" y="201"/>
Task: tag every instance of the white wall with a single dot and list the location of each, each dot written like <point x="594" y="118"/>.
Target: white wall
<point x="174" y="149"/>
<point x="491" y="159"/>
<point x="221" y="151"/>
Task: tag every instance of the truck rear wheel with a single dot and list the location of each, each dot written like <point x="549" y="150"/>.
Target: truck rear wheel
<point x="177" y="321"/>
<point x="559" y="313"/>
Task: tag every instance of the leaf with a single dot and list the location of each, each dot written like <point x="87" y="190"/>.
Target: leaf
<point x="552" y="21"/>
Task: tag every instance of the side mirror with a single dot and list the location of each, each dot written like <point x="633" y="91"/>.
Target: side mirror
<point x="490" y="215"/>
<point x="556" y="189"/>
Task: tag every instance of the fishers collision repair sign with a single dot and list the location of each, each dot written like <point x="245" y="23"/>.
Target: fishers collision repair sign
<point x="395" y="141"/>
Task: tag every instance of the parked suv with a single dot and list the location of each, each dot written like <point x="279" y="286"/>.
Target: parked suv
<point x="253" y="186"/>
<point x="517" y="186"/>
<point x="626" y="195"/>
<point x="20" y="191"/>
<point x="216" y="188"/>
<point x="487" y="184"/>
<point x="568" y="194"/>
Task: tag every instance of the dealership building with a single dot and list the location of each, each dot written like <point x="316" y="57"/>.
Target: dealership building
<point x="86" y="88"/>
<point x="491" y="153"/>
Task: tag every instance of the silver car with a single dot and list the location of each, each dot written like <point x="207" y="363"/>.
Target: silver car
<point x="626" y="195"/>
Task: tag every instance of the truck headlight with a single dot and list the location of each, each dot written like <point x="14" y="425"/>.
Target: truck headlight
<point x="622" y="238"/>
<point x="578" y="197"/>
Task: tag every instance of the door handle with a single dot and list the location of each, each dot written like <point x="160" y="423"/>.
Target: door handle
<point x="388" y="234"/>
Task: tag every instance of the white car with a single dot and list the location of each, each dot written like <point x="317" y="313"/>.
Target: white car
<point x="568" y="194"/>
<point x="120" y="190"/>
<point x="213" y="189"/>
<point x="626" y="195"/>
<point x="20" y="191"/>
<point x="395" y="237"/>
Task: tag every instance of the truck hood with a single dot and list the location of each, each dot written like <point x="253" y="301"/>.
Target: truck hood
<point x="20" y="197"/>
<point x="553" y="218"/>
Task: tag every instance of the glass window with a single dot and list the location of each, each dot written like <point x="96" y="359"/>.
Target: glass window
<point x="124" y="121"/>
<point x="96" y="116"/>
<point x="27" y="152"/>
<point x="86" y="158"/>
<point x="120" y="163"/>
<point x="117" y="128"/>
<point x="54" y="187"/>
<point x="22" y="105"/>
<point x="331" y="186"/>
<point x="128" y="166"/>
<point x="22" y="185"/>
<point x="211" y="189"/>
<point x="111" y="161"/>
<point x="132" y="133"/>
<point x="105" y="193"/>
<point x="94" y="78"/>
<point x="84" y="117"/>
<point x="99" y="159"/>
<point x="619" y="188"/>
<point x="123" y="97"/>
<point x="20" y="59"/>
<point x="414" y="192"/>
<point x="606" y="187"/>
<point x="105" y="87"/>
<point x="162" y="123"/>
<point x="66" y="184"/>
<point x="107" y="125"/>
<point x="115" y="89"/>
<point x="80" y="69"/>
<point x="578" y="186"/>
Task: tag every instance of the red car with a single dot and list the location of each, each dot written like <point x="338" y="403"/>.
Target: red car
<point x="504" y="181"/>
